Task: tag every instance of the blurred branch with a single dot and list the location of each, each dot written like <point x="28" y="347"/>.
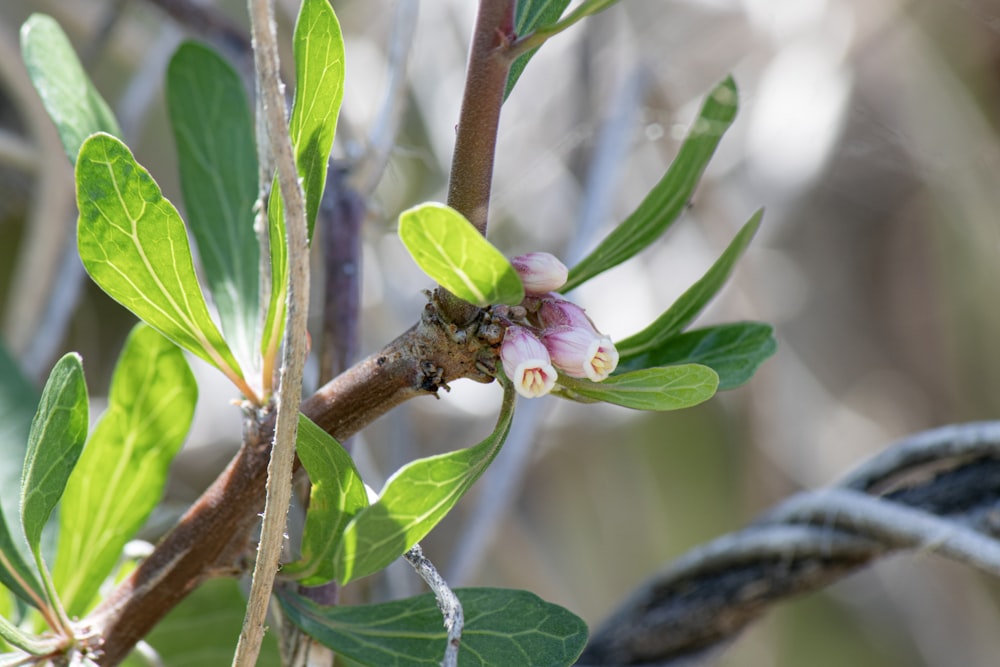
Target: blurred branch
<point x="382" y="136"/>
<point x="213" y="27"/>
<point x="38" y="266"/>
<point x="936" y="491"/>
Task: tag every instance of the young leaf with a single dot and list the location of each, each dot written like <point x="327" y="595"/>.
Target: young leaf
<point x="667" y="388"/>
<point x="667" y="199"/>
<point x="455" y="255"/>
<point x="502" y="628"/>
<point x="336" y="495"/>
<point x="734" y="351"/>
<point x="413" y="501"/>
<point x="319" y="90"/>
<point x="687" y="307"/>
<point x="319" y="71"/>
<point x="123" y="470"/>
<point x="57" y="435"/>
<point x="214" y="133"/>
<point x="74" y="105"/>
<point x="133" y="244"/>
<point x="274" y="323"/>
<point x="529" y="15"/>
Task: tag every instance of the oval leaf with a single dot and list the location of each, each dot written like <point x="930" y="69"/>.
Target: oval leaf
<point x="54" y="445"/>
<point x="454" y="254"/>
<point x="414" y="500"/>
<point x="336" y="495"/>
<point x="694" y="300"/>
<point x="150" y="407"/>
<point x="734" y="351"/>
<point x="319" y="90"/>
<point x="133" y="244"/>
<point x="502" y="628"/>
<point x="670" y="196"/>
<point x="71" y="100"/>
<point x="217" y="159"/>
<point x="668" y="388"/>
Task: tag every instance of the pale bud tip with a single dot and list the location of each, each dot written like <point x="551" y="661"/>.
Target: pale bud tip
<point x="540" y="272"/>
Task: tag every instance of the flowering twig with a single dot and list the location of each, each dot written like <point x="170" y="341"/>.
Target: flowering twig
<point x="935" y="491"/>
<point x="448" y="602"/>
<point x="289" y="395"/>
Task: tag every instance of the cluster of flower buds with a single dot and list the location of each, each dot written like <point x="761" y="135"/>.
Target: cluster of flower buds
<point x="547" y="332"/>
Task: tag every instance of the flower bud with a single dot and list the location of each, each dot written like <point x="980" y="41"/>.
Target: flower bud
<point x="540" y="272"/>
<point x="557" y="312"/>
<point x="581" y="352"/>
<point x="526" y="362"/>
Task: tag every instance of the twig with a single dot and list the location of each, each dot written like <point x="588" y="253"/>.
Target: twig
<point x="289" y="395"/>
<point x="937" y="491"/>
<point x="448" y="603"/>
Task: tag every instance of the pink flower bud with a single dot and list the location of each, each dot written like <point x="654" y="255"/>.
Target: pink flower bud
<point x="556" y="312"/>
<point x="526" y="362"/>
<point x="581" y="352"/>
<point x="540" y="272"/>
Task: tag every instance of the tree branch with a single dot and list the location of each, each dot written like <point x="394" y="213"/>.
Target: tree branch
<point x="936" y="491"/>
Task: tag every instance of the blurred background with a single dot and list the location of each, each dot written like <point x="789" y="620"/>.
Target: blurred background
<point x="867" y="130"/>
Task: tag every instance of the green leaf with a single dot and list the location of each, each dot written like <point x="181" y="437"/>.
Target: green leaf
<point x="694" y="300"/>
<point x="123" y="470"/>
<point x="203" y="629"/>
<point x="667" y="388"/>
<point x="414" y="500"/>
<point x="214" y="133"/>
<point x="502" y="628"/>
<point x="734" y="351"/>
<point x="530" y="15"/>
<point x="319" y="72"/>
<point x="58" y="432"/>
<point x="71" y="100"/>
<point x="337" y="494"/>
<point x="454" y="254"/>
<point x="670" y="196"/>
<point x="319" y="90"/>
<point x="133" y="244"/>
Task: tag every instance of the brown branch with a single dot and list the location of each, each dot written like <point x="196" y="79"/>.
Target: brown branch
<point x="476" y="134"/>
<point x="214" y="531"/>
<point x="937" y="491"/>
